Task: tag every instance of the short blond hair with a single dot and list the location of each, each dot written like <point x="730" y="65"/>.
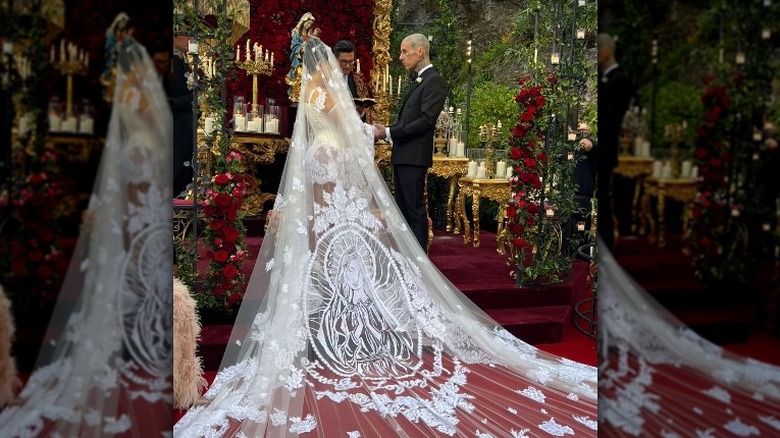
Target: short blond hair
<point x="417" y="40"/>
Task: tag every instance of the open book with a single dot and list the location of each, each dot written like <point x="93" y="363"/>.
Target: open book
<point x="364" y="102"/>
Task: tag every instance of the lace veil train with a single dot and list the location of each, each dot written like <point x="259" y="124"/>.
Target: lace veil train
<point x="659" y="378"/>
<point x="104" y="368"/>
<point x="347" y="328"/>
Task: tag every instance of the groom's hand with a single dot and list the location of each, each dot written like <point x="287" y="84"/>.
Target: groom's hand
<point x="379" y="131"/>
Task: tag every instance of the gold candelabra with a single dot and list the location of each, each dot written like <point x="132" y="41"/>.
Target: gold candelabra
<point x="674" y="133"/>
<point x="262" y="64"/>
<point x="487" y="134"/>
<point x="73" y="62"/>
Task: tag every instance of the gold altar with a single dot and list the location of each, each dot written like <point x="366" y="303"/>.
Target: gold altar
<point x="258" y="150"/>
<point x="637" y="168"/>
<point x="680" y="189"/>
<point x="452" y="168"/>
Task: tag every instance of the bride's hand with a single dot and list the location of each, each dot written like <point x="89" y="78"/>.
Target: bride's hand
<point x="87" y="220"/>
<point x="272" y="219"/>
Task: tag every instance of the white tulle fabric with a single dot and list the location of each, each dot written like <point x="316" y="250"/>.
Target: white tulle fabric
<point x="348" y="330"/>
<point x="658" y="378"/>
<point x="104" y="368"/>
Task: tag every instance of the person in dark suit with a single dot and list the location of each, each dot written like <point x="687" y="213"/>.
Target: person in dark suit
<point x="614" y="97"/>
<point x="344" y="51"/>
<point x="412" y="135"/>
<point x="585" y="175"/>
<point x="181" y="105"/>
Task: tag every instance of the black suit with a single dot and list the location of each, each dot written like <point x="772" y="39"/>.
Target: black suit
<point x="181" y="104"/>
<point x="412" y="138"/>
<point x="614" y="96"/>
<point x="352" y="86"/>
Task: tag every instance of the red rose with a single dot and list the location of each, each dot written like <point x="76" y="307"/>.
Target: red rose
<point x="218" y="291"/>
<point x="516" y="229"/>
<point x="515" y="153"/>
<point x="700" y="153"/>
<point x="232" y="215"/>
<point x="526" y="153"/>
<point x="541" y="156"/>
<point x="519" y="243"/>
<point x="36" y="178"/>
<point x="520" y="130"/>
<point x="229" y="271"/>
<point x="221" y="179"/>
<point x="525" y="177"/>
<point x="533" y="208"/>
<point x="523" y="94"/>
<point x="715" y="163"/>
<point x="223" y="200"/>
<point x="540" y="100"/>
<point x="233" y="298"/>
<point x="527" y="116"/>
<point x="529" y="221"/>
<point x="530" y="163"/>
<point x="511" y="211"/>
<point x="230" y="234"/>
<point x="35" y="256"/>
<point x="522" y="203"/>
<point x="44" y="271"/>
<point x="217" y="225"/>
<point x="220" y="256"/>
<point x="536" y="182"/>
<point x="218" y="242"/>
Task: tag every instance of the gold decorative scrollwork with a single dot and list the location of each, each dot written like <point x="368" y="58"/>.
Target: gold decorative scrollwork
<point x="382" y="30"/>
<point x="74" y="147"/>
<point x="258" y="149"/>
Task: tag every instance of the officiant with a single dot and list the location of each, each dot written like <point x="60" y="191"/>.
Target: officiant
<point x="344" y="51"/>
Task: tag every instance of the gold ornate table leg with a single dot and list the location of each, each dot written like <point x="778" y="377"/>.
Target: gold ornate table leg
<point x="686" y="231"/>
<point x="451" y="195"/>
<point x="475" y="195"/>
<point x="499" y="231"/>
<point x="465" y="219"/>
<point x="635" y="203"/>
<point x="661" y="217"/>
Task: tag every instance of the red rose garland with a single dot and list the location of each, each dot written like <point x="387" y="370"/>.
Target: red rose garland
<point x="224" y="234"/>
<point x="527" y="160"/>
<point x="36" y="254"/>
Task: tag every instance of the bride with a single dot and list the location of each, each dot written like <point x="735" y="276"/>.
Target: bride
<point x="347" y="329"/>
<point x="104" y="368"/>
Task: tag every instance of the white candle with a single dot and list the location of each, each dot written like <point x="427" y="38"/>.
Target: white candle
<point x="55" y="122"/>
<point x="453" y="145"/>
<point x="209" y="125"/>
<point x="391" y="85"/>
<point x="657" y="169"/>
<point x="247" y="49"/>
<point x="501" y="169"/>
<point x="509" y="172"/>
<point x="582" y="2"/>
<point x="555" y="59"/>
<point x="472" y="169"/>
<point x="24" y="125"/>
<point x="646" y="149"/>
<point x="238" y="53"/>
<point x="580" y="34"/>
<point x="686" y="169"/>
<point x="571" y="136"/>
<point x="740" y="58"/>
<point x="272" y="58"/>
<point x="766" y="34"/>
<point x="666" y="172"/>
<point x="69" y="124"/>
<point x="239" y="123"/>
<point x="695" y="172"/>
<point x="580" y="226"/>
<point x="87" y="125"/>
<point x="461" y="150"/>
<point x="481" y="172"/>
<point x="358" y="65"/>
<point x="757" y="136"/>
<point x="549" y="212"/>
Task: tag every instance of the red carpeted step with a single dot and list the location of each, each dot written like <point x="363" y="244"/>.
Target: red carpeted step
<point x="537" y="325"/>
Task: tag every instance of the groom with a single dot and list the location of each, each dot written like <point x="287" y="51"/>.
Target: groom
<point x="412" y="135"/>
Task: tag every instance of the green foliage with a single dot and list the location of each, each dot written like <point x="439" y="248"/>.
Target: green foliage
<point x="489" y="102"/>
<point x="675" y="102"/>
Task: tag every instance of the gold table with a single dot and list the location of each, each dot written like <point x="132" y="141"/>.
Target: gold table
<point x="258" y="149"/>
<point x="74" y="147"/>
<point x="635" y="168"/>
<point x="494" y="189"/>
<point x="680" y="189"/>
<point x="446" y="167"/>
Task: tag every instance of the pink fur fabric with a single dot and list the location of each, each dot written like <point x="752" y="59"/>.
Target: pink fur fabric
<point x="8" y="378"/>
<point x="188" y="378"/>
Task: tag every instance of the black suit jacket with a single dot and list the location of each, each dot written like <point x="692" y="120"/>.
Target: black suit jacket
<point x="352" y="85"/>
<point x="413" y="133"/>
<point x="615" y="92"/>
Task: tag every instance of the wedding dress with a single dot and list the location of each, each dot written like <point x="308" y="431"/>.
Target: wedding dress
<point x="348" y="330"/>
<point x="104" y="368"/>
<point x="658" y="378"/>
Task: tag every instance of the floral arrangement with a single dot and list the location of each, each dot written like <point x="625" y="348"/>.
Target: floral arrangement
<point x="224" y="235"/>
<point x="36" y="254"/>
<point x="718" y="238"/>
<point x="542" y="188"/>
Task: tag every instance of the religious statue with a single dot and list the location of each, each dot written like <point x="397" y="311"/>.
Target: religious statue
<point x="114" y="34"/>
<point x="299" y="35"/>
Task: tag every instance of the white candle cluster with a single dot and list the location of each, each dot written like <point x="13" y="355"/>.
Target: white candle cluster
<point x="69" y="53"/>
<point x="255" y="49"/>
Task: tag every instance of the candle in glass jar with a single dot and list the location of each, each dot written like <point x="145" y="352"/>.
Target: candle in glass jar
<point x="580" y="34"/>
<point x="192" y="47"/>
<point x="239" y="123"/>
<point x="472" y="170"/>
<point x="461" y="150"/>
<point x="509" y="172"/>
<point x="580" y="226"/>
<point x="501" y="168"/>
